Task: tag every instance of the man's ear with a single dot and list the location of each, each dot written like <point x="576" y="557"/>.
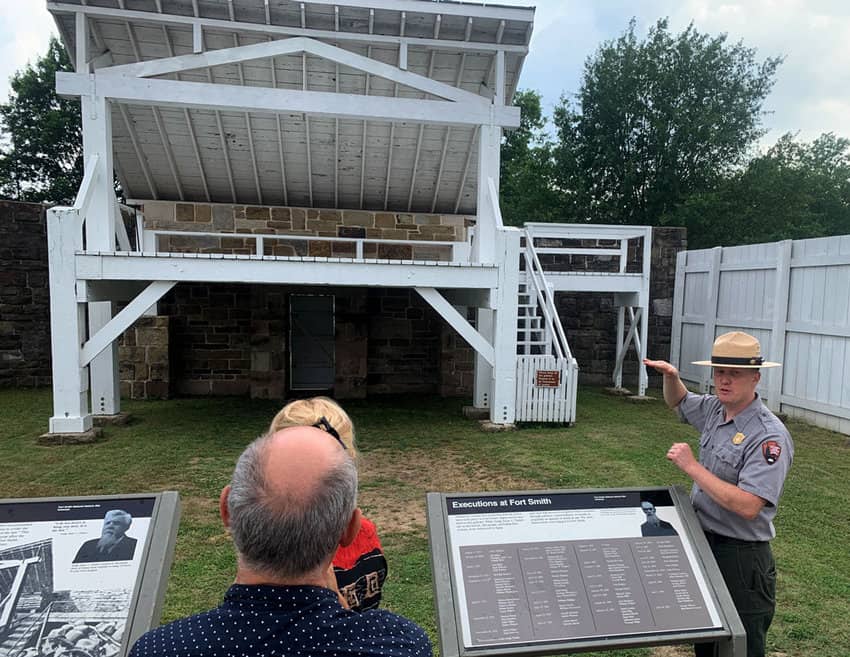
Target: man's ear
<point x="222" y="506"/>
<point x="352" y="529"/>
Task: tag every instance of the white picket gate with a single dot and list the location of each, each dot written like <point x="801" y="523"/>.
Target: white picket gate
<point x="546" y="388"/>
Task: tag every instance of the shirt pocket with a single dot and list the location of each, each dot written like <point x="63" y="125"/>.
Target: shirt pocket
<point x="727" y="464"/>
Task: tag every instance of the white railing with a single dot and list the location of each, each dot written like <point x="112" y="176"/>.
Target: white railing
<point x="458" y="251"/>
<point x="545" y="298"/>
<point x="589" y="232"/>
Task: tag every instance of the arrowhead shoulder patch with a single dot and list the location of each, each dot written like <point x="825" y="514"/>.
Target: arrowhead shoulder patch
<point x="771" y="451"/>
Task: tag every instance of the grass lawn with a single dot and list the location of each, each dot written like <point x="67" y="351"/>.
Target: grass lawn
<point x="414" y="445"/>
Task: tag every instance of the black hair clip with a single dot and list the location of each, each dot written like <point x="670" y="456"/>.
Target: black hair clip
<point x="323" y="424"/>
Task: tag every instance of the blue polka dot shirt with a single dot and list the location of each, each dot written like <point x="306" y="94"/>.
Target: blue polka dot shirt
<point x="289" y="621"/>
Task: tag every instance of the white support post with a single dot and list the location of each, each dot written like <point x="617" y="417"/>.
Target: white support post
<point x="81" y="54"/>
<point x="503" y="397"/>
<point x="100" y="223"/>
<point x="618" y="361"/>
<point x="483" y="369"/>
<point x="487" y="223"/>
<point x="643" y="379"/>
<point x="780" y="319"/>
<point x="643" y="339"/>
<point x="67" y="325"/>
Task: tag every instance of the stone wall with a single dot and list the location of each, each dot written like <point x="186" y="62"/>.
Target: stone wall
<point x="457" y="364"/>
<point x="233" y="340"/>
<point x="143" y="356"/>
<point x="24" y="296"/>
<point x="303" y="222"/>
<point x="404" y="343"/>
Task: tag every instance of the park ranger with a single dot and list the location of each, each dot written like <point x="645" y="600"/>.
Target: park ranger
<point x="745" y="453"/>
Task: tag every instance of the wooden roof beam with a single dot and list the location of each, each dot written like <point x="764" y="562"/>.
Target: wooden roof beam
<point x="149" y="17"/>
<point x="189" y="125"/>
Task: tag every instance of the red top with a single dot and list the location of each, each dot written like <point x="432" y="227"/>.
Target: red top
<point x="361" y="568"/>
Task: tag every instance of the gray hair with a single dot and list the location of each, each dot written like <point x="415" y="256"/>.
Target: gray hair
<point x="286" y="535"/>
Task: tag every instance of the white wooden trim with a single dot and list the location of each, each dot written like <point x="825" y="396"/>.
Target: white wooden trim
<point x="84" y="193"/>
<point x="590" y="231"/>
<point x="278" y="270"/>
<point x="458" y="322"/>
<point x="238" y="54"/>
<point x="219" y="25"/>
<point x="121" y="229"/>
<point x="178" y="93"/>
<point x="110" y="331"/>
<point x="580" y="251"/>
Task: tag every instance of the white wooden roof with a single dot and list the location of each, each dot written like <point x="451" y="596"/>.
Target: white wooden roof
<point x="312" y="158"/>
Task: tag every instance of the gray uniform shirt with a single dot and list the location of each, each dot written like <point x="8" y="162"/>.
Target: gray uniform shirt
<point x="752" y="451"/>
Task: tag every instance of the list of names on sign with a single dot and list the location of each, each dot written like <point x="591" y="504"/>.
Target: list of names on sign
<point x="526" y="592"/>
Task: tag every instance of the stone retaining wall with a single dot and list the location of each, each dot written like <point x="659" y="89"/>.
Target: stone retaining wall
<point x="24" y="296"/>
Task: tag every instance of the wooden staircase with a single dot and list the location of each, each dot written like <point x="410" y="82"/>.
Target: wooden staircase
<point x="547" y="373"/>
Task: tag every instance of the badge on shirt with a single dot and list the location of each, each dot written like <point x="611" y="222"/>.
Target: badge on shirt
<point x="738" y="438"/>
<point x="771" y="451"/>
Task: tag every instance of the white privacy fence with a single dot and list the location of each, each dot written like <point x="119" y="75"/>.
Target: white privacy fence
<point x="794" y="296"/>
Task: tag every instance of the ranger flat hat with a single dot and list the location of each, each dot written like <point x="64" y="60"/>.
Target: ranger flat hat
<point x="736" y="349"/>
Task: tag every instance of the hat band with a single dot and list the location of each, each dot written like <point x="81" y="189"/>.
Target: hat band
<point x="732" y="360"/>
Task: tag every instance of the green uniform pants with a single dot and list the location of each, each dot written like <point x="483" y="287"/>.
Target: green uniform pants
<point x="749" y="571"/>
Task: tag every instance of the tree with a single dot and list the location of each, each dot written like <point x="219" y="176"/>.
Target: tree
<point x="796" y="190"/>
<point x="43" y="158"/>
<point x="527" y="187"/>
<point x="657" y="121"/>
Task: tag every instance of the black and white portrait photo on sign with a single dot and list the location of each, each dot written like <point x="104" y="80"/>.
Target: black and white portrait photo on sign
<point x="654" y="526"/>
<point x="113" y="544"/>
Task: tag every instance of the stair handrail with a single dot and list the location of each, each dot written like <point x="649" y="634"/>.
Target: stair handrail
<point x="545" y="297"/>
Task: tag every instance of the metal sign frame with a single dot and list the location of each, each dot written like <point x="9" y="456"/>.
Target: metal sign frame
<point x="729" y="635"/>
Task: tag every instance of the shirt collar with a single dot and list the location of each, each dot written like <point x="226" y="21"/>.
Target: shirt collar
<point x="263" y="593"/>
<point x="741" y="419"/>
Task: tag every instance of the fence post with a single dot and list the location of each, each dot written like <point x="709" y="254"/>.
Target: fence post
<point x="710" y="326"/>
<point x="780" y="318"/>
<point x="678" y="309"/>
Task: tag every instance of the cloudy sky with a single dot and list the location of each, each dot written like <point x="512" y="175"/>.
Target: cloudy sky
<point x="811" y="95"/>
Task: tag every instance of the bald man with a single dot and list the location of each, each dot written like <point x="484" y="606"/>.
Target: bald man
<point x="291" y="502"/>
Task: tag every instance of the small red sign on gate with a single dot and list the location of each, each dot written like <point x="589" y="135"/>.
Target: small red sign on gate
<point x="547" y="378"/>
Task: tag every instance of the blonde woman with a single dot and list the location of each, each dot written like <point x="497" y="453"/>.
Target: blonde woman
<point x="360" y="568"/>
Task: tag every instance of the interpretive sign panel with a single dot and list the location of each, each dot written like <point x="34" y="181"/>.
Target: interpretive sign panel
<point x="566" y="567"/>
<point x="82" y="576"/>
